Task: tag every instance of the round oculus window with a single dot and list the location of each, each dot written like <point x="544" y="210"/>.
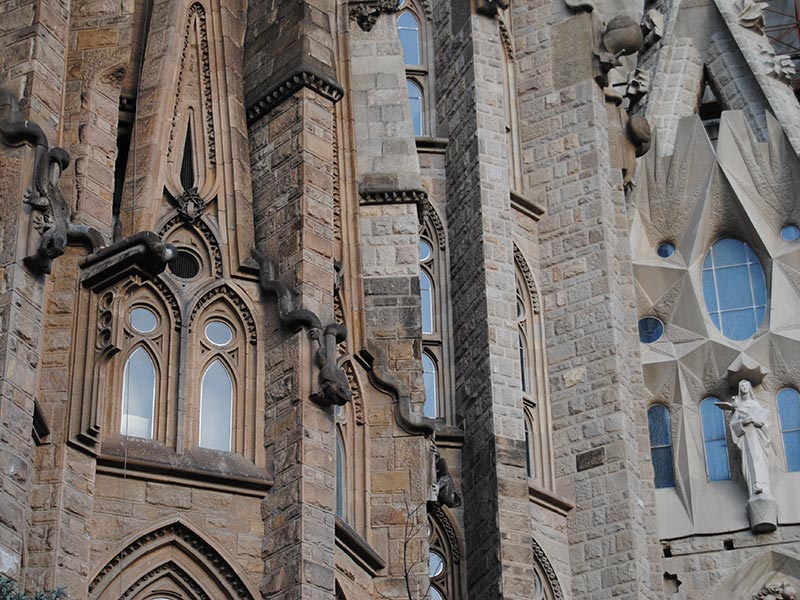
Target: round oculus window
<point x="665" y="249"/>
<point x="143" y="319"/>
<point x="424" y="251"/>
<point x="185" y="265"/>
<point x="650" y="330"/>
<point x="734" y="288"/>
<point x="790" y="232"/>
<point x="436" y="563"/>
<point x="219" y="333"/>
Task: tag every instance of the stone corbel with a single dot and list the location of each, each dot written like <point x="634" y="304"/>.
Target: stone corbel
<point x="652" y="27"/>
<point x="333" y="385"/>
<point x="48" y="209"/>
<point x="366" y="12"/>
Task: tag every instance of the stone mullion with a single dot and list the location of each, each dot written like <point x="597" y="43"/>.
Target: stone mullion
<point x="292" y="183"/>
<point x="589" y="310"/>
<point x="497" y="520"/>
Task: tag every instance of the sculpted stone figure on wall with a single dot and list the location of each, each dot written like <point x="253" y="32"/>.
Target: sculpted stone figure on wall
<point x="750" y="432"/>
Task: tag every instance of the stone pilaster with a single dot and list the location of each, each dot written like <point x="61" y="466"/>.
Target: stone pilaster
<point x="599" y="421"/>
<point x="480" y="221"/>
<point x="291" y="140"/>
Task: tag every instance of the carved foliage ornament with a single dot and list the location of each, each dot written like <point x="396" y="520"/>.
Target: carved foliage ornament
<point x="780" y="591"/>
<point x="366" y="12"/>
<point x="779" y="66"/>
<point x="750" y="14"/>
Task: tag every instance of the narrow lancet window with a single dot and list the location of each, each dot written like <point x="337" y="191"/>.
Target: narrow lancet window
<point x="216" y="408"/>
<point x="789" y="412"/>
<point x="341" y="477"/>
<point x="138" y="395"/>
<point x="661" y="445"/>
<point x="188" y="177"/>
<point x="429" y="377"/>
<point x="714" y="441"/>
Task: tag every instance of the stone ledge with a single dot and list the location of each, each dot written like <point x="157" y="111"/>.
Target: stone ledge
<point x="432" y="145"/>
<point x="357" y="548"/>
<point x="200" y="467"/>
<point x="548" y="499"/>
<point x="529" y="208"/>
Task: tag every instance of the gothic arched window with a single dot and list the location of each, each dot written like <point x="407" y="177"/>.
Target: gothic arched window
<point x="444" y="554"/>
<point x="435" y="306"/>
<point x="415" y="100"/>
<point x="138" y="395"/>
<point x="408" y="26"/>
<point x="661" y="445"/>
<point x="714" y="440"/>
<point x="341" y="476"/>
<point x="414" y="30"/>
<point x="532" y="383"/>
<point x="216" y="408"/>
<point x="789" y="413"/>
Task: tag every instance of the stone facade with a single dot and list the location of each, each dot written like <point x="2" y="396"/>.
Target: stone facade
<point x="339" y="299"/>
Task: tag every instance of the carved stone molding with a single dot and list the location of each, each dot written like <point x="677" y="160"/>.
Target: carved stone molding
<point x="529" y="281"/>
<point x="201" y="226"/>
<point x="155" y="574"/>
<point x="366" y="12"/>
<point x="438" y="513"/>
<point x="370" y="196"/>
<point x="355" y="387"/>
<point x="228" y="292"/>
<point x="190" y="205"/>
<point x="303" y="77"/>
<point x="547" y="569"/>
<point x="197" y="11"/>
<point x="181" y="535"/>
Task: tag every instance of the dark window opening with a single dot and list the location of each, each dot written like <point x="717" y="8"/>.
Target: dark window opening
<point x="187" y="163"/>
<point x="709" y="109"/>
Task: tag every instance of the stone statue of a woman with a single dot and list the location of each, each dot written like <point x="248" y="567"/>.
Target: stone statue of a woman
<point x="750" y="432"/>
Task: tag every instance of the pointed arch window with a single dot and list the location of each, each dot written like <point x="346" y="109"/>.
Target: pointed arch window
<point x="414" y="30"/>
<point x="138" y="395"/>
<point x="661" y="445"/>
<point x="714" y="441"/>
<point x="444" y="564"/>
<point x="341" y="477"/>
<point x="435" y="309"/>
<point x="408" y="27"/>
<point x="789" y="413"/>
<point x="415" y="100"/>
<point x="532" y="383"/>
<point x="216" y="408"/>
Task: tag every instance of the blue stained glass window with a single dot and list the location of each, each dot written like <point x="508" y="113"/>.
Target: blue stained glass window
<point x="408" y="28"/>
<point x="789" y="411"/>
<point x="415" y="100"/>
<point x="661" y="445"/>
<point x="790" y="233"/>
<point x="734" y="288"/>
<point x="650" y="330"/>
<point x="714" y="441"/>
<point x="665" y="249"/>
<point x="429" y="377"/>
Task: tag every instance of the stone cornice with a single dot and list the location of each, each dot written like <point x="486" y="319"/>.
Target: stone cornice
<point x="302" y="77"/>
<point x="378" y="195"/>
